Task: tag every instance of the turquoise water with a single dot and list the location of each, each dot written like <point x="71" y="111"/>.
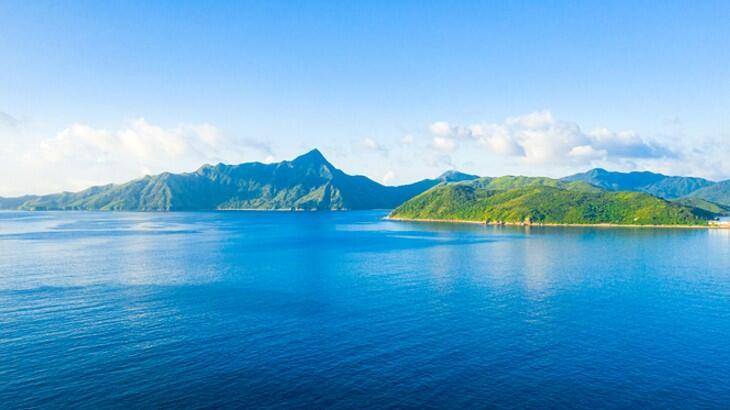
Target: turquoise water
<point x="345" y="310"/>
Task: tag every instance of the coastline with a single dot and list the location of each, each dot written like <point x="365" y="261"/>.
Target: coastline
<point x="602" y="225"/>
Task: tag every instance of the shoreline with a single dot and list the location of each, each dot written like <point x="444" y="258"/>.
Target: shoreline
<point x="601" y="225"/>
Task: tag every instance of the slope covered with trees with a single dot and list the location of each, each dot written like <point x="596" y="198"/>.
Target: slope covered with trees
<point x="542" y="203"/>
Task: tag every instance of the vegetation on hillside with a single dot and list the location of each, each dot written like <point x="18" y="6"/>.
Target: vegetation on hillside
<point x="544" y="204"/>
<point x="309" y="182"/>
<point x="512" y="182"/>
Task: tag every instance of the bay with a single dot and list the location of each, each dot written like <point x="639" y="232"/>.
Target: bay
<point x="347" y="310"/>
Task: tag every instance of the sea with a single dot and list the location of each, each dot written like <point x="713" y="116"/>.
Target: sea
<point x="347" y="310"/>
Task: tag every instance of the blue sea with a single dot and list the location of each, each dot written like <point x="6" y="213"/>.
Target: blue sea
<point x="346" y="310"/>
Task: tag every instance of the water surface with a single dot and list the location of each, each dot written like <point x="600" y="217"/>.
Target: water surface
<point x="346" y="310"/>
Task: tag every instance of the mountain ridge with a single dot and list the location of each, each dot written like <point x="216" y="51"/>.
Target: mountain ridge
<point x="660" y="185"/>
<point x="311" y="182"/>
<point x="308" y="182"/>
<point x="718" y="193"/>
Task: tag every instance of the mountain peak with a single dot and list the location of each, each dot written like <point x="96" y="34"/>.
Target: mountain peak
<point x="604" y="172"/>
<point x="455" y="176"/>
<point x="597" y="171"/>
<point x="312" y="157"/>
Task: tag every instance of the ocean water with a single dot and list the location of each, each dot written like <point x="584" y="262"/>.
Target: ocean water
<point x="346" y="310"/>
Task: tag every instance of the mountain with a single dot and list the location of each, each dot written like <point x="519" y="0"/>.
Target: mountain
<point x="718" y="193"/>
<point x="309" y="182"/>
<point x="14" y="203"/>
<point x="512" y="182"/>
<point x="455" y="176"/>
<point x="667" y="187"/>
<point x="704" y="205"/>
<point x="541" y="202"/>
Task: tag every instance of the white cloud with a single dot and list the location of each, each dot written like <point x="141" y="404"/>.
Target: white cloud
<point x="540" y="139"/>
<point x="407" y="139"/>
<point x="444" y="144"/>
<point x="440" y="129"/>
<point x="446" y="137"/>
<point x="141" y="143"/>
<point x="540" y="144"/>
<point x="81" y="155"/>
<point x="587" y="152"/>
<point x="499" y="140"/>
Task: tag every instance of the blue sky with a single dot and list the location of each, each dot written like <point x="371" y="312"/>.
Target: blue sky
<point x="92" y="92"/>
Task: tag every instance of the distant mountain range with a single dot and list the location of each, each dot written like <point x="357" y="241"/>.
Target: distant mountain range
<point x="662" y="186"/>
<point x="656" y="184"/>
<point x="309" y="182"/>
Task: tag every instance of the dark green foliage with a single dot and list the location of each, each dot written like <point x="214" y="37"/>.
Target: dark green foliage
<point x="546" y="202"/>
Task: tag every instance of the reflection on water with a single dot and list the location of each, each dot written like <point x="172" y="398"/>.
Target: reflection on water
<point x="348" y="310"/>
<point x="720" y="234"/>
<point x="537" y="267"/>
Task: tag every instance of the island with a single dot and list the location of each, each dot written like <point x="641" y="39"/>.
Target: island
<point x="310" y="182"/>
<point x="545" y="201"/>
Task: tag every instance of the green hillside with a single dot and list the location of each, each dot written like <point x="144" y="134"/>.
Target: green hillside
<point x="512" y="182"/>
<point x="547" y="204"/>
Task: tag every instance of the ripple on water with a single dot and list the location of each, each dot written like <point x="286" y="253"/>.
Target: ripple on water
<point x="346" y="310"/>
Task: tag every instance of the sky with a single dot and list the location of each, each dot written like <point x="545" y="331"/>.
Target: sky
<point x="107" y="91"/>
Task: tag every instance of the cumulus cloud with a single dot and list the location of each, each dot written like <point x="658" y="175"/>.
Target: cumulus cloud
<point x="141" y="142"/>
<point x="82" y="155"/>
<point x="444" y="144"/>
<point x="445" y="137"/>
<point x="538" y="138"/>
<point x="587" y="152"/>
<point x="440" y="129"/>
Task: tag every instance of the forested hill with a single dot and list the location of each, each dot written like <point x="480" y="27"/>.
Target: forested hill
<point x="546" y="201"/>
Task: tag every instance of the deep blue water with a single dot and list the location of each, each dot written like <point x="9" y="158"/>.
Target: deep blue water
<point x="345" y="310"/>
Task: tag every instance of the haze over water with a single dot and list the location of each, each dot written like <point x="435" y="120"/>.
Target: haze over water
<point x="346" y="310"/>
